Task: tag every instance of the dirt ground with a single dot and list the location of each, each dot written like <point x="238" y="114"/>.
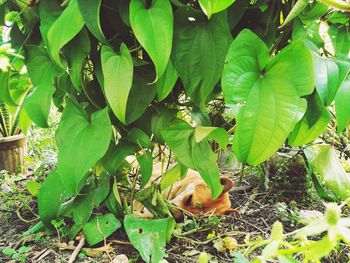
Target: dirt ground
<point x="258" y="208"/>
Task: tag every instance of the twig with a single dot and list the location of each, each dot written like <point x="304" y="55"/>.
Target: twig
<point x="44" y="255"/>
<point x="77" y="250"/>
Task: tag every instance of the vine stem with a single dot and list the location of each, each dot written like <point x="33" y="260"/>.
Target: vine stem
<point x="133" y="192"/>
<point x="337" y="4"/>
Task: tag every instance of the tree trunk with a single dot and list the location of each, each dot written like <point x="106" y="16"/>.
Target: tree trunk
<point x="12" y="152"/>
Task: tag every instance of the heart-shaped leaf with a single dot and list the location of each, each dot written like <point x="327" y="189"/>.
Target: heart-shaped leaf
<point x="199" y="51"/>
<point x="42" y="73"/>
<point x="77" y="138"/>
<point x="211" y="7"/>
<point x="90" y="11"/>
<point x="118" y="75"/>
<point x="64" y="29"/>
<point x="342" y="105"/>
<point x="153" y="28"/>
<point x="269" y="93"/>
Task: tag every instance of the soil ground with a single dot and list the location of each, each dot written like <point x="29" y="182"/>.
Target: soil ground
<point x="258" y="209"/>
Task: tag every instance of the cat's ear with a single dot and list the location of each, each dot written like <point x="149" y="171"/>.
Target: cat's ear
<point x="227" y="183"/>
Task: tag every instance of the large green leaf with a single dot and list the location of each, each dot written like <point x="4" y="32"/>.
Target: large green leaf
<point x="42" y="72"/>
<point x="332" y="172"/>
<point x="268" y="92"/>
<point x="90" y="10"/>
<point x="64" y="29"/>
<point x="342" y="105"/>
<point x="148" y="236"/>
<point x="100" y="227"/>
<point x="81" y="142"/>
<point x="77" y="51"/>
<point x="153" y="28"/>
<point x="118" y="76"/>
<point x="218" y="134"/>
<point x="50" y="198"/>
<point x="211" y="7"/>
<point x="312" y="124"/>
<point x="83" y="205"/>
<point x="199" y="51"/>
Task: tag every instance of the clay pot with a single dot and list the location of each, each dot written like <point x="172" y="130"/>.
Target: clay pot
<point x="12" y="152"/>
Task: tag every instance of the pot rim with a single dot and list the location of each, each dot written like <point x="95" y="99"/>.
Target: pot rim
<point x="12" y="138"/>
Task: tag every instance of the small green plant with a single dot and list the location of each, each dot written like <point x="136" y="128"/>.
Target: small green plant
<point x="311" y="243"/>
<point x="19" y="255"/>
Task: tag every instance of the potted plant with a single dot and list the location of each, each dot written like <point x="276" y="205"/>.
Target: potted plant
<point x="14" y="86"/>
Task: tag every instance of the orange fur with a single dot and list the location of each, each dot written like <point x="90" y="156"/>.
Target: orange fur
<point x="193" y="195"/>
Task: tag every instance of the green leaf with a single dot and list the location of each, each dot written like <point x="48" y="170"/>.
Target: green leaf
<point x="145" y="161"/>
<point x="81" y="143"/>
<point x="308" y="31"/>
<point x="5" y="95"/>
<point x="153" y="28"/>
<point x="49" y="11"/>
<point x="199" y="51"/>
<point x="332" y="172"/>
<point x="70" y="22"/>
<point x="102" y="189"/>
<point x="215" y="133"/>
<point x="83" y="205"/>
<point x="8" y="251"/>
<point x="167" y="81"/>
<point x="50" y="198"/>
<point x="178" y="137"/>
<point x="207" y="167"/>
<point x="118" y="76"/>
<point x="100" y="227"/>
<point x="329" y="74"/>
<point x="141" y="94"/>
<point x="170" y="177"/>
<point x="90" y="11"/>
<point x="42" y="72"/>
<point x="319" y="249"/>
<point x="116" y="155"/>
<point x="239" y="258"/>
<point x="340" y="38"/>
<point x="299" y="6"/>
<point x="270" y="105"/>
<point x="342" y="105"/>
<point x="33" y="187"/>
<point x="139" y="137"/>
<point x="160" y="120"/>
<point x="313" y="123"/>
<point x="77" y="51"/>
<point x="148" y="236"/>
<point x="211" y="7"/>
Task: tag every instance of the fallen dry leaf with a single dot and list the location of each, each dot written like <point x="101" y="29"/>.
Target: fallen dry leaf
<point x="96" y="252"/>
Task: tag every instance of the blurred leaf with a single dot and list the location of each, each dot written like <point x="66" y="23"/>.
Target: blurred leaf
<point x="328" y="165"/>
<point x="33" y="187"/>
<point x="167" y="81"/>
<point x="145" y="161"/>
<point x="342" y="105"/>
<point x="139" y="137"/>
<point x="215" y="133"/>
